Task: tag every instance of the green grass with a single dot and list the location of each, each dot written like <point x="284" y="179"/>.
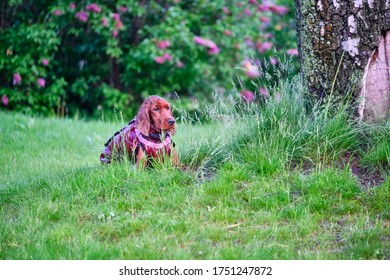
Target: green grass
<point x="261" y="183"/>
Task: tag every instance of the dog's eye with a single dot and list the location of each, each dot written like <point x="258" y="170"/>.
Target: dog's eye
<point x="156" y="109"/>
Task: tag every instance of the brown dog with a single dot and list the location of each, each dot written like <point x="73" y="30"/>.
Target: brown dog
<point x="147" y="136"/>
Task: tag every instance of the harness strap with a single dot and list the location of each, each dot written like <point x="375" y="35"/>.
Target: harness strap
<point x="151" y="144"/>
<point x="116" y="133"/>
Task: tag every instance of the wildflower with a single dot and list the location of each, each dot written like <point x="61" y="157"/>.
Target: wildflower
<point x="4" y="100"/>
<point x="41" y="82"/>
<point x="116" y="16"/>
<point x="123" y="9"/>
<point x="159" y="59"/>
<point x="212" y="47"/>
<point x="213" y="50"/>
<point x="273" y="60"/>
<point x="264" y="92"/>
<point x="247" y="95"/>
<point x="17" y="79"/>
<point x="118" y="24"/>
<point x="72" y="6"/>
<point x="115" y="33"/>
<point x="251" y="70"/>
<point x="265" y="19"/>
<point x="45" y="61"/>
<point x="226" y="10"/>
<point x="204" y="42"/>
<point x="104" y="22"/>
<point x="248" y="12"/>
<point x="179" y="64"/>
<point x="227" y="33"/>
<point x="263" y="8"/>
<point x="57" y="12"/>
<point x="249" y="42"/>
<point x="82" y="16"/>
<point x="93" y="8"/>
<point x="263" y="47"/>
<point x="253" y="2"/>
<point x="281" y="10"/>
<point x="167" y="56"/>
<point x="293" y="52"/>
<point x="163" y="44"/>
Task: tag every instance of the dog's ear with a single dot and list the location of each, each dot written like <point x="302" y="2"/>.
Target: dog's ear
<point x="142" y="120"/>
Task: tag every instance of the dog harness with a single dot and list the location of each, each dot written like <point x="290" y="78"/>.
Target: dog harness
<point x="129" y="140"/>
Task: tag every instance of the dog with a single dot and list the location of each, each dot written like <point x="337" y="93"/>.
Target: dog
<point x="146" y="137"/>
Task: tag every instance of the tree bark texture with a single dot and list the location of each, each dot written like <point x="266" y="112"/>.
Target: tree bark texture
<point x="339" y="40"/>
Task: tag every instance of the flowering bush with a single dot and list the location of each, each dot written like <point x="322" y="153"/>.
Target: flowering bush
<point x="64" y="57"/>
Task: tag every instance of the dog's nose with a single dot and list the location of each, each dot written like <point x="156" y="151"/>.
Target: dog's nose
<point x="171" y="121"/>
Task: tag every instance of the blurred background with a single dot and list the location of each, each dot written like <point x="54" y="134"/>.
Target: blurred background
<point x="85" y="59"/>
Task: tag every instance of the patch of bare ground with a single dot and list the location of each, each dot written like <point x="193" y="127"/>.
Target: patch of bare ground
<point x="366" y="176"/>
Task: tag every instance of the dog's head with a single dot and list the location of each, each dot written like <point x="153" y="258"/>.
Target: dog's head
<point x="155" y="113"/>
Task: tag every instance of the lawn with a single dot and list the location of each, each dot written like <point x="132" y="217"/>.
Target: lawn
<point x="261" y="182"/>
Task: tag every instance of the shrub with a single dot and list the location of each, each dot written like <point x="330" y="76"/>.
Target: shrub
<point x="59" y="57"/>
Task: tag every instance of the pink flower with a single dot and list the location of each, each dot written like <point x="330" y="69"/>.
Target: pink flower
<point x="57" y="12"/>
<point x="293" y="52"/>
<point x="247" y="95"/>
<point x="45" y="61"/>
<point x="239" y="4"/>
<point x="163" y="44"/>
<point x="263" y="8"/>
<point x="213" y="48"/>
<point x="226" y="10"/>
<point x="263" y="47"/>
<point x="179" y="64"/>
<point x="227" y="33"/>
<point x="264" y="92"/>
<point x="248" y="12"/>
<point x="273" y="60"/>
<point x="159" y="59"/>
<point x="116" y="16"/>
<point x="115" y="33"/>
<point x="205" y="42"/>
<point x="17" y="79"/>
<point x="41" y="82"/>
<point x="118" y="24"/>
<point x="265" y="19"/>
<point x="281" y="10"/>
<point x="72" y="6"/>
<point x="251" y="70"/>
<point x="253" y="2"/>
<point x="123" y="9"/>
<point x="4" y="100"/>
<point x="82" y="16"/>
<point x="167" y="56"/>
<point x="93" y="8"/>
<point x="104" y="22"/>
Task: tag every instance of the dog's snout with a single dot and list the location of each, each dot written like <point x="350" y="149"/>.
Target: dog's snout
<point x="171" y="121"/>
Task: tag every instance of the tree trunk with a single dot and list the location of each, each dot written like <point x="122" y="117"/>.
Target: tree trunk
<point x="339" y="41"/>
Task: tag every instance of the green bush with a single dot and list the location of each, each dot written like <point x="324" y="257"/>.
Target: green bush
<point x="65" y="58"/>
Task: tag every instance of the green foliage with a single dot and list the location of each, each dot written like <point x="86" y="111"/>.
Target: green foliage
<point x="107" y="55"/>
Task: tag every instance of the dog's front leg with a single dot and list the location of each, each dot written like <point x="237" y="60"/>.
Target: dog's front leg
<point x="141" y="159"/>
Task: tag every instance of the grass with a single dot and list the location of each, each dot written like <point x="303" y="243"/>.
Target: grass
<point x="262" y="182"/>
